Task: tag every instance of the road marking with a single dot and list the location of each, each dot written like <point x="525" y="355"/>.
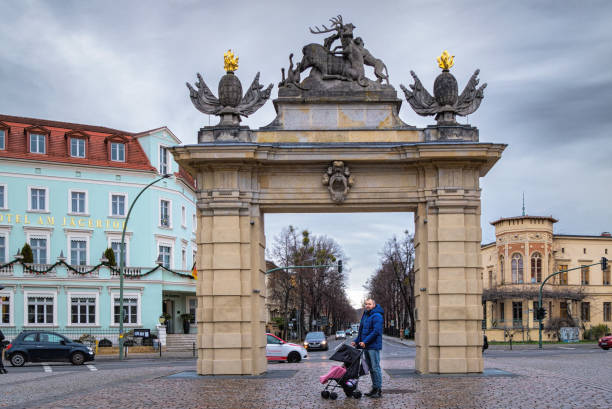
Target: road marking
<point x="566" y="348"/>
<point x="92" y="368"/>
<point x="47" y="368"/>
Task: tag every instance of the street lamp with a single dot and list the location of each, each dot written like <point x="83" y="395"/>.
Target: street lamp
<point x="122" y="263"/>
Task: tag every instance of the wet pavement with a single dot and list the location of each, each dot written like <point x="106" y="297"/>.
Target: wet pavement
<point x="555" y="378"/>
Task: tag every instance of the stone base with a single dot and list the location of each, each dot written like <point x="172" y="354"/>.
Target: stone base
<point x="225" y="133"/>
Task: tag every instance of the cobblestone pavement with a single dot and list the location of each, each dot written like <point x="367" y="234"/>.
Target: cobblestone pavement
<point x="578" y="380"/>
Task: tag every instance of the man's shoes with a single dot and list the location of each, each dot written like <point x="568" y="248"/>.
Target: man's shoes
<point x="374" y="393"/>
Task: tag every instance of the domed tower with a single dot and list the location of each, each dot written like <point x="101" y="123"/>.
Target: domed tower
<point x="524" y="248"/>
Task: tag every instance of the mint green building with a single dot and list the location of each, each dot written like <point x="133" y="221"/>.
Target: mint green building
<point x="65" y="189"/>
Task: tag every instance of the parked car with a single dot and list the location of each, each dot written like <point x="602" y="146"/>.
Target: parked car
<point x="279" y="350"/>
<point x="340" y="335"/>
<point x="316" y="340"/>
<point x="605" y="342"/>
<point x="46" y="346"/>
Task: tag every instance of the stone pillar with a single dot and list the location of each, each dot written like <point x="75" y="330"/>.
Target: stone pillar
<point x="448" y="286"/>
<point x="231" y="279"/>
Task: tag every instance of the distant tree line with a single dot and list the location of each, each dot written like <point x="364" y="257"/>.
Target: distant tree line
<point x="392" y="285"/>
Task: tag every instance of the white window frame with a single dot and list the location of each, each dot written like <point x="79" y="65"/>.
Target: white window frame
<point x="167" y="159"/>
<point x="169" y="213"/>
<point x="194" y="254"/>
<point x="44" y="138"/>
<point x="111" y="151"/>
<point x="47" y="199"/>
<point x="40" y="234"/>
<point x="125" y="295"/>
<point x="84" y="147"/>
<point x="5" y="232"/>
<point x="110" y="204"/>
<point x="183" y="217"/>
<point x="168" y="243"/>
<point x="92" y="294"/>
<point x="195" y="223"/>
<point x="112" y="237"/>
<point x="84" y="236"/>
<point x="183" y="257"/>
<point x="3" y="139"/>
<point x="27" y="294"/>
<point x="10" y="292"/>
<point x="4" y="204"/>
<point x="71" y="210"/>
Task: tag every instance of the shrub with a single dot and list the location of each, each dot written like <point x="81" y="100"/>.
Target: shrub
<point x="26" y="252"/>
<point x="105" y="343"/>
<point x="109" y="254"/>
<point x="87" y="339"/>
<point x="596" y="332"/>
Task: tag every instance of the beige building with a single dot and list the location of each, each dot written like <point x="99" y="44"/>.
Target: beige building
<point x="524" y="253"/>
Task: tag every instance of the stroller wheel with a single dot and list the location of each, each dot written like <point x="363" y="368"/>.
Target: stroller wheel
<point x="333" y="396"/>
<point x="357" y="394"/>
<point x="325" y="394"/>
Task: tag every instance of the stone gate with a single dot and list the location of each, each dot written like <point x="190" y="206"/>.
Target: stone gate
<point x="337" y="144"/>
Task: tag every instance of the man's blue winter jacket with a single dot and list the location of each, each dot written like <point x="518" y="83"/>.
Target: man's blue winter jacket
<point x="370" y="328"/>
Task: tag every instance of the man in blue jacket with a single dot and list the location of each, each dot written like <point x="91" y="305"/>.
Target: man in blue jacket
<point x="369" y="338"/>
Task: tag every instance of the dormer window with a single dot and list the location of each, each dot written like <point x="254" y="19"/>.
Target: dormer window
<point x="38" y="143"/>
<point x="117" y="147"/>
<point x="37" y="139"/>
<point x="77" y="147"/>
<point x="77" y="144"/>
<point x="4" y="131"/>
<point x="117" y="152"/>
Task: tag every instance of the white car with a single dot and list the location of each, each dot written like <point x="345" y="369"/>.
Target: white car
<point x="340" y="335"/>
<point x="279" y="350"/>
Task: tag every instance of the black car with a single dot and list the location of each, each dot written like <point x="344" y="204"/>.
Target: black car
<point x="46" y="346"/>
<point x="315" y="340"/>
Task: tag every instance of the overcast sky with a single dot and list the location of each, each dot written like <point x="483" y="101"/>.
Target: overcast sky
<point x="547" y="64"/>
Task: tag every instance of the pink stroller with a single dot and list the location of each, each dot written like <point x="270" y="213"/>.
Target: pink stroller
<point x="345" y="376"/>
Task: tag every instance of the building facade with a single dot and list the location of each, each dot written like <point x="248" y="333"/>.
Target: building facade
<point x="525" y="252"/>
<point x="65" y="189"/>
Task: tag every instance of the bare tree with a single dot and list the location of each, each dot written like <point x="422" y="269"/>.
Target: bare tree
<point x="393" y="283"/>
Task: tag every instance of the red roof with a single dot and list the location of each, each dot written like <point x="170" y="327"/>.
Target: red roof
<point x="58" y="143"/>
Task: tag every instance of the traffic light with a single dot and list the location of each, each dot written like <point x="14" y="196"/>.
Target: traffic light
<point x="604" y="264"/>
<point x="340" y="266"/>
<point x="540" y="313"/>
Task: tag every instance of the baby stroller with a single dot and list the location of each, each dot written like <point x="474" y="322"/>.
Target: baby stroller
<point x="345" y="376"/>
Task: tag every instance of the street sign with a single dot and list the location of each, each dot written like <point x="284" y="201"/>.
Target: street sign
<point x="142" y="332"/>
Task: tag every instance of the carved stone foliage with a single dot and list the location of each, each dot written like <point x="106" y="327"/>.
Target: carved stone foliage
<point x="338" y="180"/>
<point x="446" y="102"/>
<point x="231" y="104"/>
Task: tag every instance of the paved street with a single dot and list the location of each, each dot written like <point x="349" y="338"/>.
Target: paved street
<point x="526" y="378"/>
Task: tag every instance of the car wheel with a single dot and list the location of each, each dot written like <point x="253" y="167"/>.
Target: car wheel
<point x="17" y="359"/>
<point x="294" y="357"/>
<point x="605" y="349"/>
<point x="77" y="358"/>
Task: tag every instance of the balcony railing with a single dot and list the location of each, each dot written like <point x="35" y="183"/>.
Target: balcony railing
<point x="34" y="270"/>
<point x="81" y="271"/>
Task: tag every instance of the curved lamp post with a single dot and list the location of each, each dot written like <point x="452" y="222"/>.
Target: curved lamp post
<point x="122" y="263"/>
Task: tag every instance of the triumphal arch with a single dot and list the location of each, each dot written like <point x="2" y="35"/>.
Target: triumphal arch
<point x="337" y="144"/>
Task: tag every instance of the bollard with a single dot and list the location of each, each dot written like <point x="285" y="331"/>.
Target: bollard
<point x="159" y="345"/>
<point x="194" y="349"/>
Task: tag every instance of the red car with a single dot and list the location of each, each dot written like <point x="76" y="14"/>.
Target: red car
<point x="605" y="342"/>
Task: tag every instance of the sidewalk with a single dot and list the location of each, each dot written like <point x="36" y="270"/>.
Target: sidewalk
<point x="165" y="355"/>
<point x="407" y="342"/>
